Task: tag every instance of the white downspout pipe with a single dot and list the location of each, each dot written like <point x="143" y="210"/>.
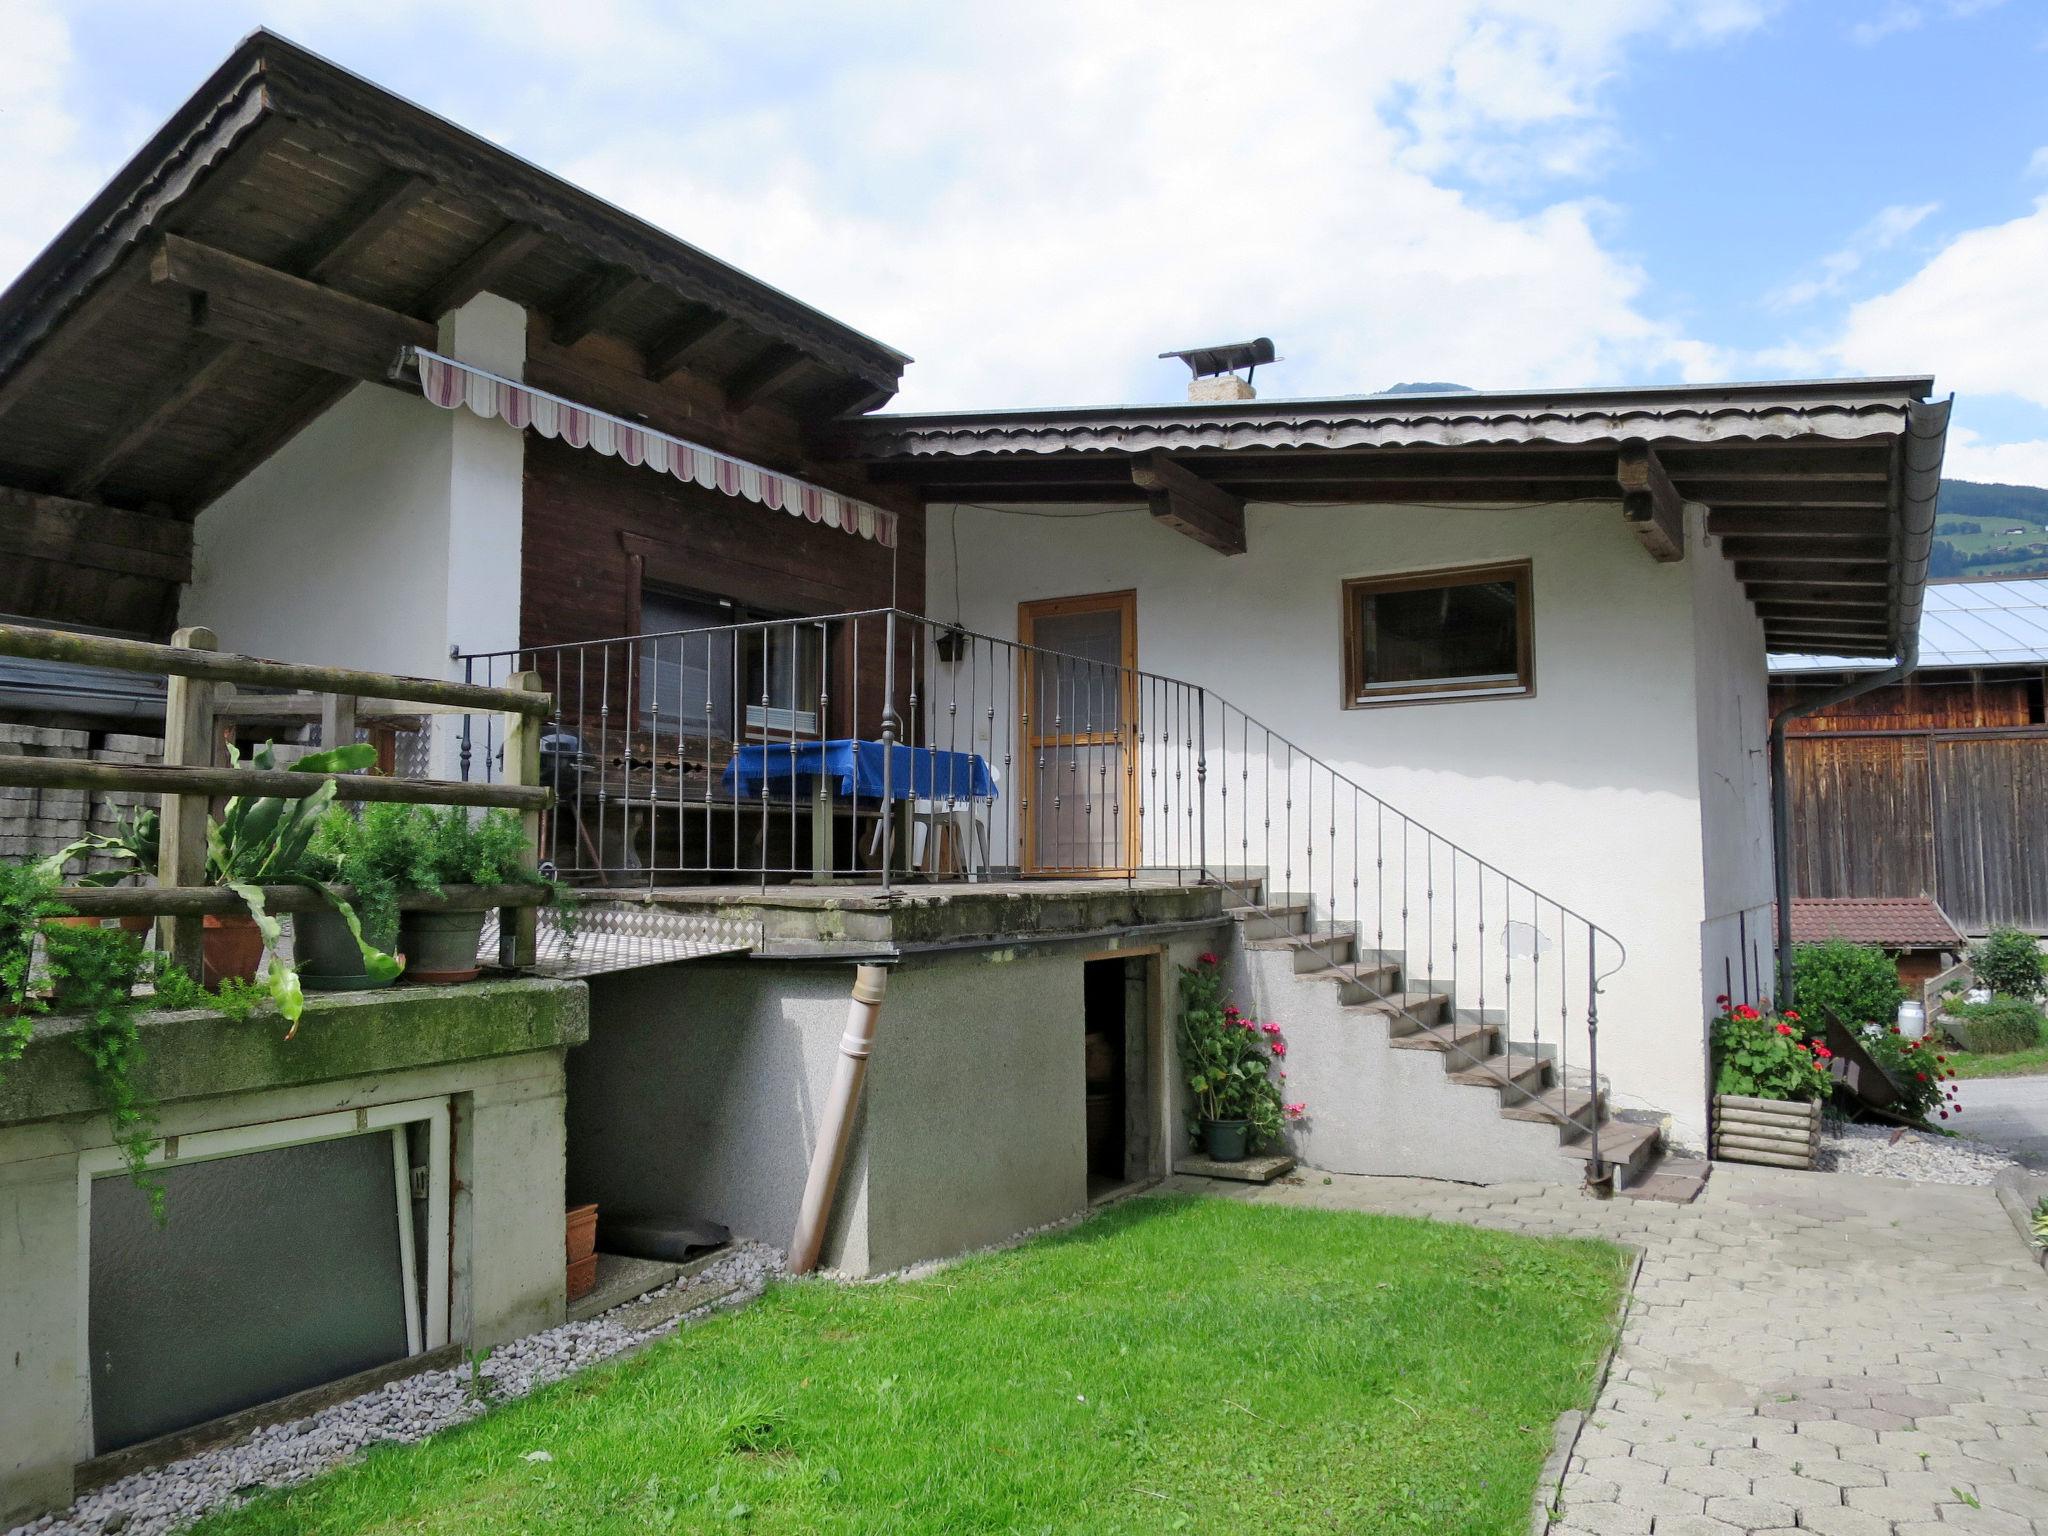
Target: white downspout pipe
<point x="828" y="1157"/>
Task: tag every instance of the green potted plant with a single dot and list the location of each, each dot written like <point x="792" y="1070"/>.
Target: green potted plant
<point x="1230" y="1060"/>
<point x="264" y="840"/>
<point x="449" y="846"/>
<point x="1769" y="1084"/>
<point x="354" y="849"/>
<point x="28" y="901"/>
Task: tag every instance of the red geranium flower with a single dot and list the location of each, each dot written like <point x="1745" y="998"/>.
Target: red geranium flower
<point x="1206" y="958"/>
<point x="1784" y="1029"/>
<point x="1791" y="1013"/>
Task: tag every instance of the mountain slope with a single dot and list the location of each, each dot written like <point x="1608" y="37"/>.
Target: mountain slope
<point x="1990" y="530"/>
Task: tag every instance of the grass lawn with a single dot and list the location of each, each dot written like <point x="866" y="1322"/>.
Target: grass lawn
<point x="1173" y="1364"/>
<point x="2027" y="1063"/>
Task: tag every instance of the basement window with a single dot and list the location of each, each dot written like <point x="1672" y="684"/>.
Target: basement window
<point x="1438" y="635"/>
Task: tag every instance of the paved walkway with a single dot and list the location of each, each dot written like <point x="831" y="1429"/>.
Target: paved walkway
<point x="2010" y="1113"/>
<point x="1804" y="1353"/>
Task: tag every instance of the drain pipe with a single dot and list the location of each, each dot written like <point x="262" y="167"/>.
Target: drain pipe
<point x="828" y="1158"/>
<point x="1920" y="487"/>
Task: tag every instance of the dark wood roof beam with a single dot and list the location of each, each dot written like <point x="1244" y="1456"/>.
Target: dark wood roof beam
<point x="1815" y="573"/>
<point x="764" y="373"/>
<point x="1796" y="523"/>
<point x="479" y="270"/>
<point x="368" y="220"/>
<point x="82" y="533"/>
<point x="592" y="302"/>
<point x="210" y="359"/>
<point x="77" y="330"/>
<point x="1650" y="504"/>
<point x="674" y="347"/>
<point x="856" y="397"/>
<point x="1877" y="549"/>
<point x="1187" y="503"/>
<point x="240" y="300"/>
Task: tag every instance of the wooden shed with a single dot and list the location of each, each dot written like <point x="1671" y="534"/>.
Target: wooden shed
<point x="1939" y="785"/>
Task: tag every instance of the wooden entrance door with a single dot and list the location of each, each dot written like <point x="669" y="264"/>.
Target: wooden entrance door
<point x="1079" y="727"/>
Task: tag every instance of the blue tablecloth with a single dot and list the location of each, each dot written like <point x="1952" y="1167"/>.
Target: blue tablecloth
<point x="915" y="773"/>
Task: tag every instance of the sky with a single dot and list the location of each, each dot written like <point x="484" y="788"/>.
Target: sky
<point x="1035" y="198"/>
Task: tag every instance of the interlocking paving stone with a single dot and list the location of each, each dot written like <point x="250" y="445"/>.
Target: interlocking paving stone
<point x="1815" y="1352"/>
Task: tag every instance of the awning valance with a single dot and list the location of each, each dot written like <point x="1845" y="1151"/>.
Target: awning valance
<point x="449" y="384"/>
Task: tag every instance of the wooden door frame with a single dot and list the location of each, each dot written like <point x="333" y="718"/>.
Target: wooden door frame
<point x="1125" y="602"/>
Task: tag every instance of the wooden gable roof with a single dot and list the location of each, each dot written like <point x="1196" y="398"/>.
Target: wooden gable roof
<point x="275" y="243"/>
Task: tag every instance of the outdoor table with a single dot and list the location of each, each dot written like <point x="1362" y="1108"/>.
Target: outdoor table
<point x="854" y="768"/>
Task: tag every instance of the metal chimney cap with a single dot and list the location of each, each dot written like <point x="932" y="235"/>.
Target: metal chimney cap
<point x="1227" y="357"/>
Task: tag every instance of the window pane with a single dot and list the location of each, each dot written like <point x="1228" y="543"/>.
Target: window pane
<point x="1080" y="695"/>
<point x="686" y="681"/>
<point x="1462" y="633"/>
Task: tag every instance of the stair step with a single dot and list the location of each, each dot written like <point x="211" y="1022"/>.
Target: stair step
<point x="1409" y="1011"/>
<point x="1554" y="1103"/>
<point x="1272" y="921"/>
<point x="1621" y="1141"/>
<point x="1524" y="1072"/>
<point x="1312" y="951"/>
<point x="1361" y="986"/>
<point x="1469" y="1040"/>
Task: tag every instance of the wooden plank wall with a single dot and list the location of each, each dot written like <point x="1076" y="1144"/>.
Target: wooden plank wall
<point x="1961" y="816"/>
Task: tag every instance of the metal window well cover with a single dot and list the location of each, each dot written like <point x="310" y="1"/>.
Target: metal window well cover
<point x="624" y="935"/>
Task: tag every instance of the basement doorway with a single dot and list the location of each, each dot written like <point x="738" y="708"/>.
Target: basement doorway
<point x="1122" y="1053"/>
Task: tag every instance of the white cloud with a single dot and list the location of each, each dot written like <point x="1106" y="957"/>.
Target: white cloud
<point x="2038" y="165"/>
<point x="1834" y="270"/>
<point x="49" y="175"/>
<point x="1036" y="200"/>
<point x="1971" y="458"/>
<point x="1977" y="313"/>
<point x="1906" y="15"/>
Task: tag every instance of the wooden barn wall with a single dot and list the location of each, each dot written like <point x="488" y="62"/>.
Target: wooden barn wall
<point x="1963" y="817"/>
<point x="1948" y="703"/>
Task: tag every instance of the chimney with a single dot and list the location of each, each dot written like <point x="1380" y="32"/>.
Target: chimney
<point x="1221" y="386"/>
<point x="1213" y="371"/>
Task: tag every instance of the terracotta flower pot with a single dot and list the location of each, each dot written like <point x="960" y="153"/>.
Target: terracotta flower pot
<point x="233" y="947"/>
<point x="580" y="1244"/>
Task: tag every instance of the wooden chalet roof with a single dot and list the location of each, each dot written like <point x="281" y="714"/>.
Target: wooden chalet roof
<point x="285" y="233"/>
<point x="1821" y="493"/>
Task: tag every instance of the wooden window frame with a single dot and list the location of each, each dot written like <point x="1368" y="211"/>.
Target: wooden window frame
<point x="1519" y="572"/>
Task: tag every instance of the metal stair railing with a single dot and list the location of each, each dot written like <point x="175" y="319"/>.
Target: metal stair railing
<point x="683" y="756"/>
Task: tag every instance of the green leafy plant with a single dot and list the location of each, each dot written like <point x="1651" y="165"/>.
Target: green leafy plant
<point x="136" y="840"/>
<point x="2010" y="963"/>
<point x="1230" y="1058"/>
<point x="94" y="971"/>
<point x="262" y="840"/>
<point x="387" y="851"/>
<point x="2004" y="1024"/>
<point x="28" y="898"/>
<point x="176" y="991"/>
<point x="2041" y="1224"/>
<point x="1860" y="982"/>
<point x="1765" y="1055"/>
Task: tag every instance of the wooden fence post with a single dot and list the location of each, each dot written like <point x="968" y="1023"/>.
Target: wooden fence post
<point x="337" y="721"/>
<point x="181" y="853"/>
<point x="519" y="928"/>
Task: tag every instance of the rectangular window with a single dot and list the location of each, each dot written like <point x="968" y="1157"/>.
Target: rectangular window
<point x="1438" y="635"/>
<point x="726" y="662"/>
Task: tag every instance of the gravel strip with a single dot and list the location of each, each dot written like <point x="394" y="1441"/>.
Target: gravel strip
<point x="152" y="1503"/>
<point x="1892" y="1152"/>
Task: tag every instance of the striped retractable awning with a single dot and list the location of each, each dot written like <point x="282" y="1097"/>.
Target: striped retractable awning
<point x="449" y="384"/>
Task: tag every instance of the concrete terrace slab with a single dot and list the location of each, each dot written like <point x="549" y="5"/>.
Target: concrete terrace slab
<point x="801" y="920"/>
<point x="1802" y="1351"/>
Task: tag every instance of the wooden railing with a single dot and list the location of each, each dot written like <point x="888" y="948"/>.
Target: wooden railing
<point x="191" y="776"/>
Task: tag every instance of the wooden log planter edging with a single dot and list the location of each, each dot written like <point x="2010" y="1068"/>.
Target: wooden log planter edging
<point x="1776" y="1133"/>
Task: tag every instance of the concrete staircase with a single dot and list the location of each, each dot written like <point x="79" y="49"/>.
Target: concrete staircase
<point x="1399" y="1080"/>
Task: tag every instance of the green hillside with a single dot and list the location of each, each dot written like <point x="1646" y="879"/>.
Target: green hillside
<point x="1990" y="530"/>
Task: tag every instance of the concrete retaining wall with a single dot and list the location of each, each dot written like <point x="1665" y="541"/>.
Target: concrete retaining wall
<point x="493" y="1052"/>
<point x="701" y="1086"/>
